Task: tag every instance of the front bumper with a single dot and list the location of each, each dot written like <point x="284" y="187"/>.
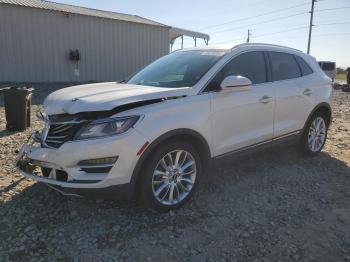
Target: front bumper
<point x="123" y="191"/>
<point x="64" y="160"/>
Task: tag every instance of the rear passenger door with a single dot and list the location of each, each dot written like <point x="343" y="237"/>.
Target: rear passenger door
<point x="242" y="118"/>
<point x="294" y="94"/>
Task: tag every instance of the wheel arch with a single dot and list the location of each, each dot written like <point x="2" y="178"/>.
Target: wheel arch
<point x="322" y="107"/>
<point x="190" y="135"/>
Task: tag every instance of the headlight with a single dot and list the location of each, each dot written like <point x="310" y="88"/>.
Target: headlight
<point x="106" y="127"/>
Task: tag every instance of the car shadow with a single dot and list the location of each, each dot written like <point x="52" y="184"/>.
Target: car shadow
<point x="250" y="166"/>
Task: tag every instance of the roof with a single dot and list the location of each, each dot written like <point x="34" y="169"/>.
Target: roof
<point x="266" y="45"/>
<point x="40" y="4"/>
<point x="176" y="32"/>
<point x="204" y="49"/>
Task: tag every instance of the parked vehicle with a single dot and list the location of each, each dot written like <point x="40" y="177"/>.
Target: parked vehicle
<point x="329" y="68"/>
<point x="153" y="136"/>
<point x="345" y="88"/>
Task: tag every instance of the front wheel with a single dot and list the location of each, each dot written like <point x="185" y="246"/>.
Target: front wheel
<point x="315" y="135"/>
<point x="171" y="176"/>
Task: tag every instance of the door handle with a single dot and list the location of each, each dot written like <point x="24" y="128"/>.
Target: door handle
<point x="307" y="92"/>
<point x="265" y="99"/>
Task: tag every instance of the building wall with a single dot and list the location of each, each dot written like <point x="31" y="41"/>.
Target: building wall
<point x="35" y="45"/>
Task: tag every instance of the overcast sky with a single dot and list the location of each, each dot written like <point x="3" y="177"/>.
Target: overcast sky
<point x="227" y="21"/>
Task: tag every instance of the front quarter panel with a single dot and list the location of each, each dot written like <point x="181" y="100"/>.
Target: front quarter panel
<point x="190" y="112"/>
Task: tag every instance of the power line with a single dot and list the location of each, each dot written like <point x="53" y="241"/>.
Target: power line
<point x="262" y="22"/>
<point x="259" y="15"/>
<point x="331" y="34"/>
<point x="278" y="19"/>
<point x="297" y="28"/>
<point x="288" y="30"/>
<point x="319" y="35"/>
<point x="275" y="33"/>
<point x="272" y="20"/>
<point x="324" y="0"/>
<point x="215" y="14"/>
<point x="331" y="9"/>
<point x="336" y="23"/>
<point x="261" y="35"/>
<point x="282" y="31"/>
<point x="312" y="17"/>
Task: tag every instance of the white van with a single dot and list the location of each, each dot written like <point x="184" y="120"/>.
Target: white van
<point x="329" y="68"/>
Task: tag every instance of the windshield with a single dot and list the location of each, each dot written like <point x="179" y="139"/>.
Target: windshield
<point x="178" y="69"/>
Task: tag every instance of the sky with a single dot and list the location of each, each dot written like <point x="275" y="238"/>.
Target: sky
<point x="270" y="21"/>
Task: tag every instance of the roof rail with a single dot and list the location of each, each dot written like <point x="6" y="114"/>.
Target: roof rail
<point x="264" y="44"/>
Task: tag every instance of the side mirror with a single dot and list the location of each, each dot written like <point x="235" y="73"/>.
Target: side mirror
<point x="236" y="83"/>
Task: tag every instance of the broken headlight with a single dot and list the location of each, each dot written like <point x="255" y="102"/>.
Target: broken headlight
<point x="106" y="127"/>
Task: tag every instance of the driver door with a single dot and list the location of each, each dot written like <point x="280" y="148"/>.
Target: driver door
<point x="241" y="119"/>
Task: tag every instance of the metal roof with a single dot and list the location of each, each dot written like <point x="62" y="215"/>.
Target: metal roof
<point x="40" y="4"/>
<point x="176" y="32"/>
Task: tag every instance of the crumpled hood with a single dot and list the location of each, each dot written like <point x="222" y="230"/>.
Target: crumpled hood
<point x="104" y="96"/>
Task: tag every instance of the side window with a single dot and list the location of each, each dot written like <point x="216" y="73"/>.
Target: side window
<point x="283" y="66"/>
<point x="305" y="68"/>
<point x="250" y="65"/>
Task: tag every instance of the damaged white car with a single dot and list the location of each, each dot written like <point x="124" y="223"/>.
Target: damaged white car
<point x="153" y="136"/>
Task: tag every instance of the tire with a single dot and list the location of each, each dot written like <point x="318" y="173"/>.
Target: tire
<point x="159" y="179"/>
<point x="313" y="138"/>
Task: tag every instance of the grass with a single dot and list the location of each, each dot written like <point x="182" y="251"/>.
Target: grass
<point x="341" y="77"/>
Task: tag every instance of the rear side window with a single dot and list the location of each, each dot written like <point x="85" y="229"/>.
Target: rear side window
<point x="305" y="68"/>
<point x="283" y="66"/>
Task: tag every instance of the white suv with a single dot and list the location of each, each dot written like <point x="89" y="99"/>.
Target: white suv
<point x="154" y="135"/>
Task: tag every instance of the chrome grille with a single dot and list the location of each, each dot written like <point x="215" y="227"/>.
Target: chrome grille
<point x="60" y="128"/>
<point x="57" y="132"/>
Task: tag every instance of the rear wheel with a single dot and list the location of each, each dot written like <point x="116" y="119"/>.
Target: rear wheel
<point x="315" y="135"/>
<point x="172" y="174"/>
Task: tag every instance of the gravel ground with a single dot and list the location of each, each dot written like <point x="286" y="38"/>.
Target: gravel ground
<point x="269" y="206"/>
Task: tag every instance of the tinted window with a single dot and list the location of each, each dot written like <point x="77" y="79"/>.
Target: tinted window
<point x="178" y="69"/>
<point x="283" y="66"/>
<point x="305" y="68"/>
<point x="250" y="65"/>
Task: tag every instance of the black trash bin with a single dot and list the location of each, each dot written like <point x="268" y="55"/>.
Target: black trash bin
<point x="18" y="101"/>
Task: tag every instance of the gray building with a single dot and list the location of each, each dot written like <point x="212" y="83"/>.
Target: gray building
<point x="39" y="39"/>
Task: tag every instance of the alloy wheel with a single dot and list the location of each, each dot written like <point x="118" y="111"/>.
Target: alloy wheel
<point x="317" y="134"/>
<point x="174" y="177"/>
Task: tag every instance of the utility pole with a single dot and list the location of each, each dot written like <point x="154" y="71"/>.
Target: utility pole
<point x="249" y="34"/>
<point x="311" y="25"/>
